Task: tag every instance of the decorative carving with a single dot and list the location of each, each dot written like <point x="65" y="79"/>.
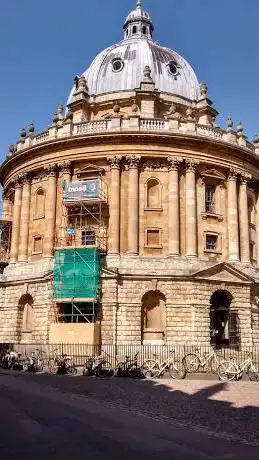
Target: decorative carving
<point x="23" y="135"/>
<point x="174" y="163"/>
<point x="147" y="74"/>
<point x="51" y="170"/>
<point x="232" y="175"/>
<point x="25" y="178"/>
<point x="154" y="284"/>
<point x="134" y="107"/>
<point x="115" y="161"/>
<point x="203" y="90"/>
<point x="229" y="122"/>
<point x="154" y="163"/>
<point x="133" y="161"/>
<point x="31" y="130"/>
<point x="65" y="167"/>
<point x="172" y="113"/>
<point x="192" y="165"/>
<point x="116" y="109"/>
<point x="189" y="114"/>
<point x="245" y="177"/>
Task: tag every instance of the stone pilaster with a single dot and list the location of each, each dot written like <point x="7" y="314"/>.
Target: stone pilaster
<point x="114" y="222"/>
<point x="6" y="206"/>
<point x="173" y="207"/>
<point x="133" y="205"/>
<point x="243" y="220"/>
<point x="25" y="218"/>
<point x="257" y="230"/>
<point x="65" y="169"/>
<point x="50" y="213"/>
<point x="16" y="221"/>
<point x="191" y="211"/>
<point x="233" y="240"/>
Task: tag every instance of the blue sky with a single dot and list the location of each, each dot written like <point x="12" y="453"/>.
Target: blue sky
<point x="43" y="44"/>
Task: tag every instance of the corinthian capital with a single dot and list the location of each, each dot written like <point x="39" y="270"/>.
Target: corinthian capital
<point x="245" y="177"/>
<point x="65" y="167"/>
<point x="51" y="170"/>
<point x="133" y="161"/>
<point x="174" y="163"/>
<point x="25" y="178"/>
<point x="232" y="175"/>
<point x="192" y="165"/>
<point x="114" y="161"/>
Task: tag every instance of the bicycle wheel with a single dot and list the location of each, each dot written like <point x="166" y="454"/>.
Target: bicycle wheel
<point x="253" y="375"/>
<point x="72" y="369"/>
<point x="214" y="364"/>
<point x="52" y="366"/>
<point x="177" y="371"/>
<point x="104" y="369"/>
<point x="227" y="371"/>
<point x="191" y="362"/>
<point x="150" y="369"/>
<point x="134" y="371"/>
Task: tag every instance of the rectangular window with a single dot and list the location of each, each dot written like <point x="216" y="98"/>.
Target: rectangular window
<point x="252" y="247"/>
<point x="153" y="237"/>
<point x="211" y="242"/>
<point x="37" y="244"/>
<point x="210" y="199"/>
<point x="88" y="238"/>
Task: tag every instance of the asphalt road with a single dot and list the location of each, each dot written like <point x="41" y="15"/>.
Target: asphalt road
<point x="38" y="422"/>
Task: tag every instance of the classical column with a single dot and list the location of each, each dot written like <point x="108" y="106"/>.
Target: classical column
<point x="61" y="213"/>
<point x="133" y="205"/>
<point x="257" y="229"/>
<point x="243" y="220"/>
<point x="173" y="207"/>
<point x="114" y="221"/>
<point x="6" y="206"/>
<point x="233" y="241"/>
<point x="16" y="221"/>
<point x="50" y="213"/>
<point x="190" y="211"/>
<point x="25" y="218"/>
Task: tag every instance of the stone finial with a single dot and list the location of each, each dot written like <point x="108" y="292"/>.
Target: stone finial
<point x="69" y="115"/>
<point x="23" y="134"/>
<point x="82" y="84"/>
<point x="55" y="118"/>
<point x="256" y="139"/>
<point x="60" y="109"/>
<point x="134" y="107"/>
<point x="229" y="122"/>
<point x="11" y="149"/>
<point x="203" y="90"/>
<point x="147" y="74"/>
<point x="31" y="129"/>
<point x="240" y="129"/>
<point x="76" y="79"/>
<point x="116" y="108"/>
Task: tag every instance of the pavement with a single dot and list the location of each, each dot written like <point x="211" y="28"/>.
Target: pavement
<point x="63" y="417"/>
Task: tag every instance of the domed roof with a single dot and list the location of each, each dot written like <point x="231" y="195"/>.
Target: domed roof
<point x="120" y="67"/>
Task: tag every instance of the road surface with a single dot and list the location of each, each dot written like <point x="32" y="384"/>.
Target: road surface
<point x="44" y="422"/>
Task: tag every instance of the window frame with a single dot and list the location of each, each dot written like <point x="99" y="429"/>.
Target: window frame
<point x="35" y="215"/>
<point x="33" y="244"/>
<point x="156" y="208"/>
<point x="212" y="203"/>
<point x="153" y="246"/>
<point x="218" y="249"/>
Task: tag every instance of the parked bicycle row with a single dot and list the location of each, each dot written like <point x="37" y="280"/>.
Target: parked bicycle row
<point x="105" y="365"/>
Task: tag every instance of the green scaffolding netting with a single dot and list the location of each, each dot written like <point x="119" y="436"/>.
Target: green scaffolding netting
<point x="77" y="273"/>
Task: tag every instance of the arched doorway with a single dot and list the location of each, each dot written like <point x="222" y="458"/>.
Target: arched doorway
<point x="153" y="317"/>
<point x="224" y="322"/>
<point x="25" y="318"/>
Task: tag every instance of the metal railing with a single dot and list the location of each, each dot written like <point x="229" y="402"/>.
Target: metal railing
<point x="117" y="353"/>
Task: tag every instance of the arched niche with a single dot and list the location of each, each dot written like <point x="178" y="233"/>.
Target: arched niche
<point x="153" y="317"/>
<point x="39" y="207"/>
<point x="153" y="193"/>
<point x="25" y="318"/>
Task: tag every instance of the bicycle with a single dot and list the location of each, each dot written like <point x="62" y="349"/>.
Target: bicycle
<point x="230" y="370"/>
<point x="35" y="362"/>
<point x="129" y="367"/>
<point x="61" y="365"/>
<point x="102" y="367"/>
<point x="153" y="368"/>
<point x="192" y="361"/>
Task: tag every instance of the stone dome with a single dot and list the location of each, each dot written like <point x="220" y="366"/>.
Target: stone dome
<point x="120" y="67"/>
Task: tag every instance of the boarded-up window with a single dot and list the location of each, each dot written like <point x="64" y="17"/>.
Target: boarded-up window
<point x="37" y="244"/>
<point x="153" y="237"/>
<point x="39" y="203"/>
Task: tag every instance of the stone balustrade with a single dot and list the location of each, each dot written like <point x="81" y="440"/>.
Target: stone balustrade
<point x="186" y="127"/>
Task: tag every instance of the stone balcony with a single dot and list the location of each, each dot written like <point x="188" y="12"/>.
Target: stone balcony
<point x="67" y="129"/>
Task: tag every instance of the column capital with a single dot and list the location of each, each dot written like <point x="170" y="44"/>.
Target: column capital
<point x="245" y="177"/>
<point x="232" y="175"/>
<point x="25" y="178"/>
<point x="191" y="165"/>
<point x="17" y="182"/>
<point x="174" y="163"/>
<point x="114" y="161"/>
<point x="51" y="170"/>
<point x="133" y="161"/>
<point x="65" y="167"/>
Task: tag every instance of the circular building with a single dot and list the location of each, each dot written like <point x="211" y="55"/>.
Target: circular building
<point x="133" y="218"/>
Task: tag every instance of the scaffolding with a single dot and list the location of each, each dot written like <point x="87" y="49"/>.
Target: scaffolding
<point x="81" y="242"/>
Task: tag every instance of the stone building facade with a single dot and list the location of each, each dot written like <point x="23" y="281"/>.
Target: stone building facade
<point x="176" y="220"/>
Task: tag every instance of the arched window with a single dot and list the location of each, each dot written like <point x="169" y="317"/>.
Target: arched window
<point x="134" y="29"/>
<point x="153" y="194"/>
<point x="224" y="321"/>
<point x="153" y="316"/>
<point x="39" y="203"/>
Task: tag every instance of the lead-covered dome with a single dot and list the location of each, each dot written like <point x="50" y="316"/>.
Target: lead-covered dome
<point x="120" y="67"/>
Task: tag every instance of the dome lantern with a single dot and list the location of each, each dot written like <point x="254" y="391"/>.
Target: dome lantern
<point x="138" y="23"/>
